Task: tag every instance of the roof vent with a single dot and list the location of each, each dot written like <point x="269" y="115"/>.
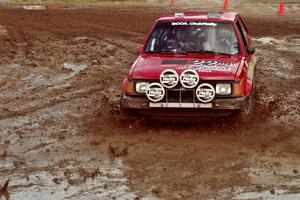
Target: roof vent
<point x="179" y="15"/>
<point x="214" y="15"/>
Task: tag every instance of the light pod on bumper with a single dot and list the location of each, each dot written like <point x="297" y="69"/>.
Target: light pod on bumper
<point x="189" y="78"/>
<point x="155" y="92"/>
<point x="223" y="88"/>
<point x="205" y="92"/>
<point x="169" y="78"/>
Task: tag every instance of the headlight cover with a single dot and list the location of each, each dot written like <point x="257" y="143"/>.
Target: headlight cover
<point x="141" y="87"/>
<point x="223" y="88"/>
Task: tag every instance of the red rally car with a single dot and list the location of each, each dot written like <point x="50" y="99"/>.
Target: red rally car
<point x="195" y="64"/>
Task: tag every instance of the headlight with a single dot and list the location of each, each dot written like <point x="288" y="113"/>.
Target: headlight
<point x="141" y="87"/>
<point x="223" y="89"/>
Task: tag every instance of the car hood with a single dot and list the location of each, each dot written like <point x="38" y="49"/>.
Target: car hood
<point x="208" y="68"/>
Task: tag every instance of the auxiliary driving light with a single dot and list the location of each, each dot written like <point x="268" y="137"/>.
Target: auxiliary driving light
<point x="189" y="78"/>
<point x="155" y="92"/>
<point x="205" y="92"/>
<point x="169" y="78"/>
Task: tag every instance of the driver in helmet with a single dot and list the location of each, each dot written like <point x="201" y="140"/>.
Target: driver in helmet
<point x="179" y="43"/>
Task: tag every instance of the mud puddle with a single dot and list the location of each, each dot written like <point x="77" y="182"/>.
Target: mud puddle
<point x="271" y="177"/>
<point x="276" y="194"/>
<point x="89" y="182"/>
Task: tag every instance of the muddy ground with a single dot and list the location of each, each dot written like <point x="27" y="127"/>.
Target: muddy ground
<point x="62" y="135"/>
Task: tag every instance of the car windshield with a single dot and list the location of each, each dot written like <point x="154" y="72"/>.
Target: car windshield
<point x="193" y="38"/>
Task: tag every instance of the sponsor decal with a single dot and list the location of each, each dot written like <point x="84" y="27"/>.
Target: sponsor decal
<point x="189" y="78"/>
<point x="155" y="92"/>
<point x="193" y="24"/>
<point x="169" y="78"/>
<point x="205" y="93"/>
<point x="207" y="66"/>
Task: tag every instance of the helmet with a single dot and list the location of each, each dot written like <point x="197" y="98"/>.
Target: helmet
<point x="171" y="45"/>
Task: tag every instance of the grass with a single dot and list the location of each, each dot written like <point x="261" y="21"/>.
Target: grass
<point x="73" y="1"/>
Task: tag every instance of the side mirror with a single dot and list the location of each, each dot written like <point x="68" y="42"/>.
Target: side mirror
<point x="250" y="50"/>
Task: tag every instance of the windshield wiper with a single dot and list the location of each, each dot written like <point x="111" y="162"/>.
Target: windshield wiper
<point x="206" y="51"/>
<point x="187" y="52"/>
<point x="167" y="52"/>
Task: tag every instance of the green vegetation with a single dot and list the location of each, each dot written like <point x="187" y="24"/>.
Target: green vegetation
<point x="73" y="1"/>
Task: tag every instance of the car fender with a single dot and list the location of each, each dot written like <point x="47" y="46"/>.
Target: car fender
<point x="130" y="73"/>
<point x="250" y="75"/>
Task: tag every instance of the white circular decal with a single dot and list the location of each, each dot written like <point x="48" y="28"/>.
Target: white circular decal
<point x="189" y="78"/>
<point x="205" y="93"/>
<point x="155" y="92"/>
<point x="169" y="78"/>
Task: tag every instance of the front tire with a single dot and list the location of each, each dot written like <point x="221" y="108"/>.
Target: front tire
<point x="128" y="114"/>
<point x="246" y="113"/>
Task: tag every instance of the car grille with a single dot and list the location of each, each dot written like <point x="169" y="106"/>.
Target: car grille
<point x="181" y="95"/>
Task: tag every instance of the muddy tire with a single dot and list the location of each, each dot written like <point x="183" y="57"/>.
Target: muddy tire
<point x="246" y="114"/>
<point x="127" y="113"/>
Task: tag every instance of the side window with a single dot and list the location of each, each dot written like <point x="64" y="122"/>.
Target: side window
<point x="243" y="32"/>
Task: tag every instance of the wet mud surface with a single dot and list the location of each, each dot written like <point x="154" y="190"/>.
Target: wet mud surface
<point x="62" y="135"/>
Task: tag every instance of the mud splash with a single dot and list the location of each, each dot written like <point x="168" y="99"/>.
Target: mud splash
<point x="289" y="43"/>
<point x="3" y="31"/>
<point x="74" y="68"/>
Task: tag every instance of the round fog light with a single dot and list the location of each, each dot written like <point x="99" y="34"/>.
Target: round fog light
<point x="189" y="78"/>
<point x="155" y="92"/>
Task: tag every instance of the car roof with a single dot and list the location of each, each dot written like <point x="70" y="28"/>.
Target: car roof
<point x="201" y="16"/>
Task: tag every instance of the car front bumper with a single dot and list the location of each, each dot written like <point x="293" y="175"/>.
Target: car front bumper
<point x="136" y="102"/>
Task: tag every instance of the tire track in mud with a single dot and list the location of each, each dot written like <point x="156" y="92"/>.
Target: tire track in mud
<point x="45" y="109"/>
<point x="46" y="92"/>
<point x="109" y="183"/>
<point x="273" y="170"/>
<point x="277" y="63"/>
<point x="44" y="103"/>
<point x="134" y="37"/>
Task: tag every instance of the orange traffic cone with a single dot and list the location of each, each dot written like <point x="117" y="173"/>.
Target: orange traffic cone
<point x="225" y="5"/>
<point x="281" y="9"/>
